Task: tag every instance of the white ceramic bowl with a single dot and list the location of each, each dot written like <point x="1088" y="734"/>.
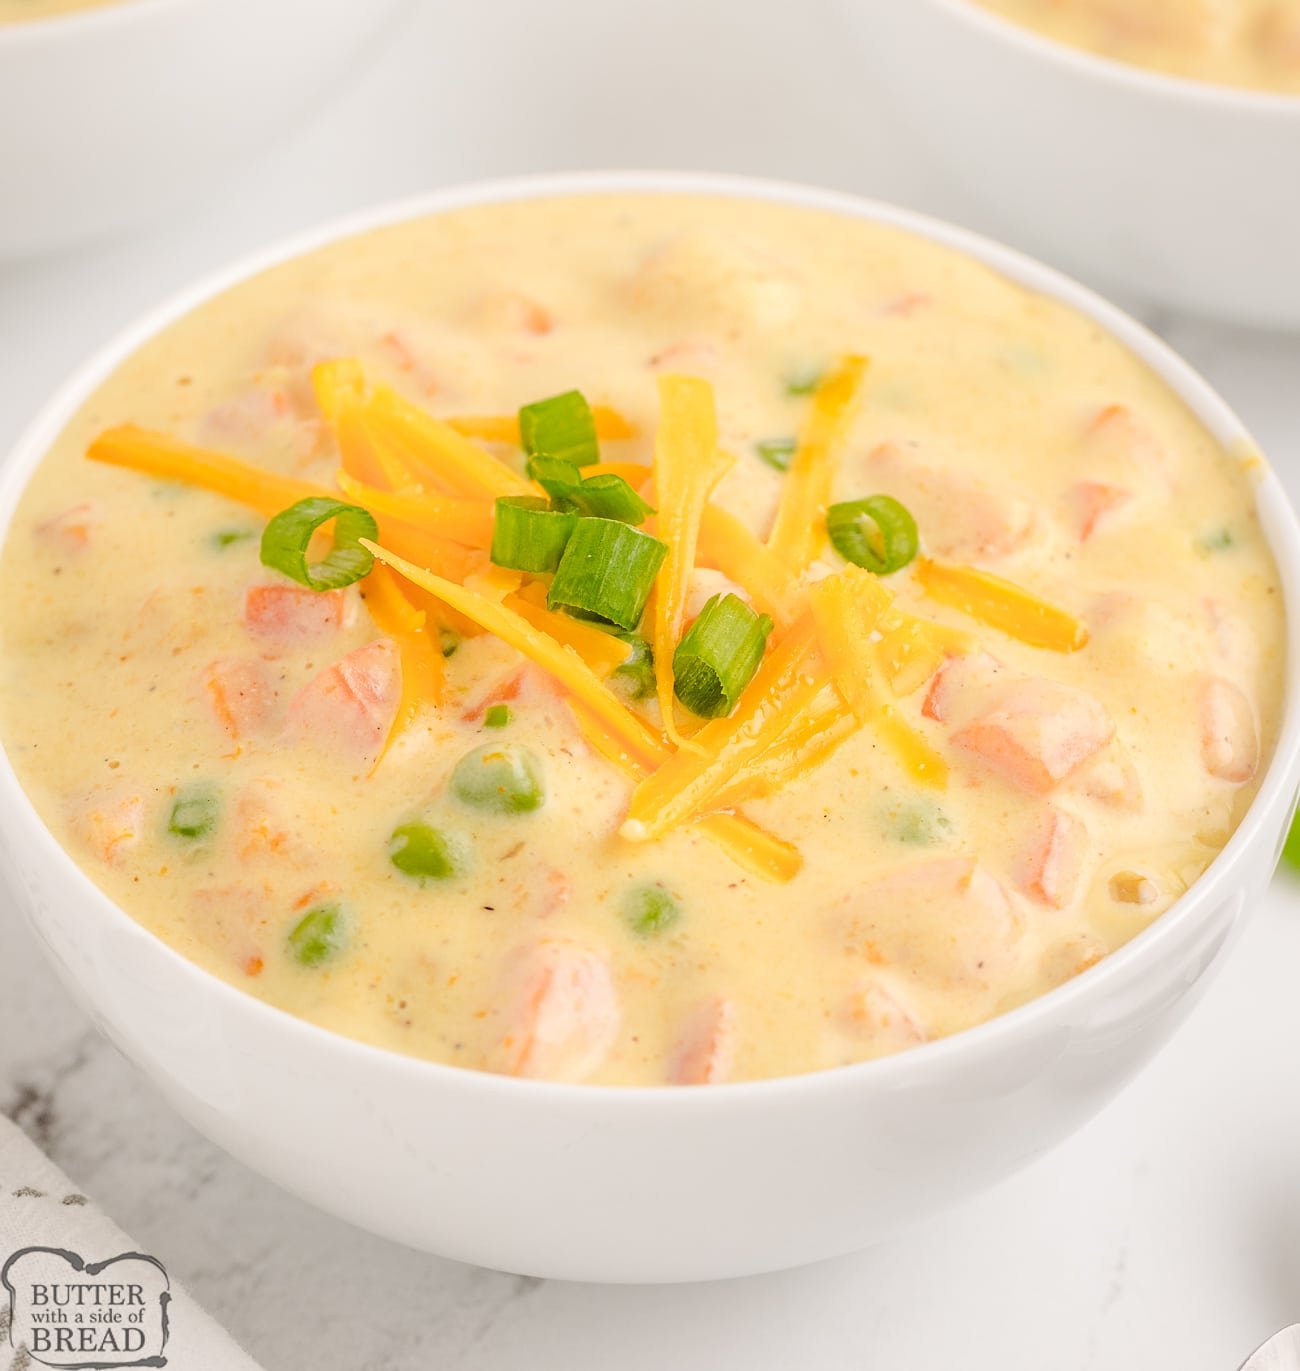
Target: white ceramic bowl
<point x="667" y="1184"/>
<point x="109" y="115"/>
<point x="1168" y="190"/>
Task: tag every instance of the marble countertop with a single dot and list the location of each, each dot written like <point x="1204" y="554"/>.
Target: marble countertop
<point x="1166" y="1234"/>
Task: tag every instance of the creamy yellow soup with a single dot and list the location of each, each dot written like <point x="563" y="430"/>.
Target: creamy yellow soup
<point x="980" y="775"/>
<point x="19" y="11"/>
<point x="1250" y="43"/>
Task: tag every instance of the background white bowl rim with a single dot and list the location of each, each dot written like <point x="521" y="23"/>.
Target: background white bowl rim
<point x="1125" y="74"/>
<point x="76" y="22"/>
<point x="1276" y="514"/>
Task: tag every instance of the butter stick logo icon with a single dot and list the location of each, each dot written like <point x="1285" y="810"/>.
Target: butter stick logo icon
<point x="76" y="1315"/>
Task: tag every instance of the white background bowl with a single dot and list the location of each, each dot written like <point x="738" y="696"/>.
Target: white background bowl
<point x="644" y="1185"/>
<point x="1173" y="191"/>
<point x="109" y="115"/>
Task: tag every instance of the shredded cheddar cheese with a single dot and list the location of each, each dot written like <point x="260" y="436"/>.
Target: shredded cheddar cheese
<point x="799" y="533"/>
<point x="687" y="467"/>
<point x="423" y="674"/>
<point x="1001" y="604"/>
<point x="467" y="522"/>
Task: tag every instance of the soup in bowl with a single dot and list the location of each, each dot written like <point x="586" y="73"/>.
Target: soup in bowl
<point x="642" y="632"/>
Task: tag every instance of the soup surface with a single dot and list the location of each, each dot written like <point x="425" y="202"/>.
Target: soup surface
<point x="1251" y="43"/>
<point x="943" y="791"/>
<point x="17" y="11"/>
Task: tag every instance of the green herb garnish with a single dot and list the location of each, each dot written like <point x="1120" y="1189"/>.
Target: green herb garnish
<point x="636" y="677"/>
<point x="804" y="381"/>
<point x="228" y="537"/>
<point x="562" y="426"/>
<point x="777" y="452"/>
<point x="607" y="572"/>
<point x="876" y="533"/>
<point x="527" y="536"/>
<point x="496" y="716"/>
<point x="286" y="538"/>
<point x="718" y="656"/>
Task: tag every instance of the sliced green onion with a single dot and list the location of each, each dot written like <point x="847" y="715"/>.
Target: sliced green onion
<point x="228" y="537"/>
<point x="497" y="716"/>
<point x="425" y="853"/>
<point x="195" y="812"/>
<point x="557" y="477"/>
<point x="650" y="909"/>
<point x="286" y="538"/>
<point x="499" y="778"/>
<point x="319" y="935"/>
<point x="804" y="381"/>
<point x="562" y="426"/>
<point x="777" y="452"/>
<point x="636" y="677"/>
<point x="718" y="656"/>
<point x="876" y="533"/>
<point x="527" y="536"/>
<point x="610" y="497"/>
<point x="607" y="572"/>
<point x="448" y="641"/>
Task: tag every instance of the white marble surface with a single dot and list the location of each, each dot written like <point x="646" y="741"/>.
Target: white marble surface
<point x="1167" y="1234"/>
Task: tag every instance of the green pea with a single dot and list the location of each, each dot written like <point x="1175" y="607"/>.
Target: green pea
<point x="650" y="909"/>
<point x="499" y="778"/>
<point x="1216" y="540"/>
<point x="918" y="823"/>
<point x="636" y="677"/>
<point x="195" y="812"/>
<point x="424" y="853"/>
<point x="319" y="935"/>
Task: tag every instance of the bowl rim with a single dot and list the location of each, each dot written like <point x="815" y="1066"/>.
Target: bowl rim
<point x="74" y="23"/>
<point x="1128" y="75"/>
<point x="1277" y="518"/>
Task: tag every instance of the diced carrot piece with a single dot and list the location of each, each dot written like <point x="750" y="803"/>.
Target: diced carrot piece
<point x="564" y="1013"/>
<point x="241" y="695"/>
<point x="351" y="704"/>
<point x="877" y="1011"/>
<point x="1053" y="857"/>
<point x="70" y="530"/>
<point x="962" y="516"/>
<point x="231" y="919"/>
<point x="1096" y="506"/>
<point x="502" y="692"/>
<point x="1037" y="733"/>
<point x="511" y="311"/>
<point x="955" y="688"/>
<point x="293" y="614"/>
<point x="1119" y="433"/>
<point x="111" y="824"/>
<point x="1229" y="731"/>
<point x="893" y="917"/>
<point x="705" y="1054"/>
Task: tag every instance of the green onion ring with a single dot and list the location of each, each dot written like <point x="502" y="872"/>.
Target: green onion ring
<point x="286" y="538"/>
<point x="876" y="533"/>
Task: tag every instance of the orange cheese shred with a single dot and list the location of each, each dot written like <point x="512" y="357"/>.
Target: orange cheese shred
<point x="687" y="466"/>
<point x="467" y="522"/>
<point x="423" y="672"/>
<point x="168" y="459"/>
<point x="602" y="652"/>
<point x="803" y="747"/>
<point x="786" y="683"/>
<point x="754" y="848"/>
<point x="799" y="533"/>
<point x="729" y="547"/>
<point x="439" y="454"/>
<point x="1001" y="604"/>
